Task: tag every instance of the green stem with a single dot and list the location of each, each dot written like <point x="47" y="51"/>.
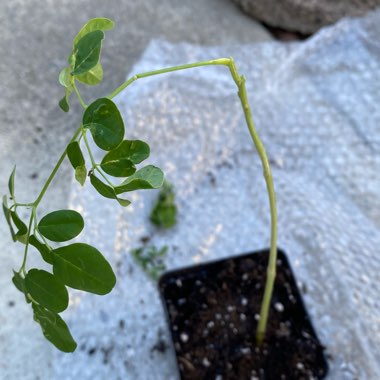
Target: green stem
<point x="104" y="176"/>
<point x="81" y="101"/>
<point x="271" y="269"/>
<point x="24" y="204"/>
<point x="39" y="233"/>
<point x="213" y="62"/>
<point x="93" y="163"/>
<point x="22" y="268"/>
<point x="242" y="92"/>
<point x="34" y="205"/>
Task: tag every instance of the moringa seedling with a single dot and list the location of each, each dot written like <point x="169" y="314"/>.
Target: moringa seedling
<point x="78" y="265"/>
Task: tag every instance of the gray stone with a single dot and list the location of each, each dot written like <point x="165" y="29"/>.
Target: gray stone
<point x="305" y="16"/>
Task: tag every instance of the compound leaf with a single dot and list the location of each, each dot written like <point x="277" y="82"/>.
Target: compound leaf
<point x="83" y="267"/>
<point x="61" y="225"/>
<point x="47" y="290"/>
<point x="105" y="123"/>
<point x="54" y="329"/>
<point x="149" y="177"/>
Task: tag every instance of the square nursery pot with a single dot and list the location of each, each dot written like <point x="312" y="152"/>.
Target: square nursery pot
<point x="213" y="310"/>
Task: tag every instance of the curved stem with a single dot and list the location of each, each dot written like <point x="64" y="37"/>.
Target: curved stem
<point x="34" y="205"/>
<point x="31" y="219"/>
<point x="242" y="92"/>
<point x="24" y="204"/>
<point x="271" y="269"/>
<point x="213" y="62"/>
<point x="93" y="163"/>
<point x="81" y="101"/>
<point x="104" y="176"/>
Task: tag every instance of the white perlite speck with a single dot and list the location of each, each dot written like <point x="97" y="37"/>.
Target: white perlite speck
<point x="184" y="337"/>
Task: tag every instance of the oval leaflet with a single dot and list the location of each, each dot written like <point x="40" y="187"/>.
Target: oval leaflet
<point x="105" y="123"/>
<point x="47" y="290"/>
<point x="54" y="329"/>
<point x="83" y="267"/>
<point x="61" y="225"/>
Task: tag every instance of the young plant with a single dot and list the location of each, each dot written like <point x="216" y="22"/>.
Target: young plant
<point x="78" y="265"/>
<point x="164" y="212"/>
<point x="150" y="259"/>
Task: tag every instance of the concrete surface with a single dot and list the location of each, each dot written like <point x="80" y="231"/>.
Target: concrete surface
<point x="35" y="41"/>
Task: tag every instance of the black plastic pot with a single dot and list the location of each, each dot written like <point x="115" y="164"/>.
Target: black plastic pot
<point x="213" y="310"/>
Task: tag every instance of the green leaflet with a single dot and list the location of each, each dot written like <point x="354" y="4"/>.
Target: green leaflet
<point x="11" y="183"/>
<point x="65" y="77"/>
<point x="22" y="233"/>
<point x="121" y="167"/>
<point x="83" y="267"/>
<point x="44" y="250"/>
<point x="64" y="102"/>
<point x="164" y="213"/>
<point x="74" y="154"/>
<point x="81" y="174"/>
<point x="149" y="177"/>
<point x="87" y="52"/>
<point x="134" y="150"/>
<point x="99" y="23"/>
<point x="107" y="191"/>
<point x="93" y="76"/>
<point x="7" y="214"/>
<point x="47" y="290"/>
<point x="19" y="283"/>
<point x="105" y="123"/>
<point x="120" y="162"/>
<point x="54" y="329"/>
<point x="61" y="225"/>
<point x="77" y="161"/>
<point x="66" y="80"/>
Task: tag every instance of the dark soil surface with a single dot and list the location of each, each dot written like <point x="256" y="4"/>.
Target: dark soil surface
<point x="213" y="311"/>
